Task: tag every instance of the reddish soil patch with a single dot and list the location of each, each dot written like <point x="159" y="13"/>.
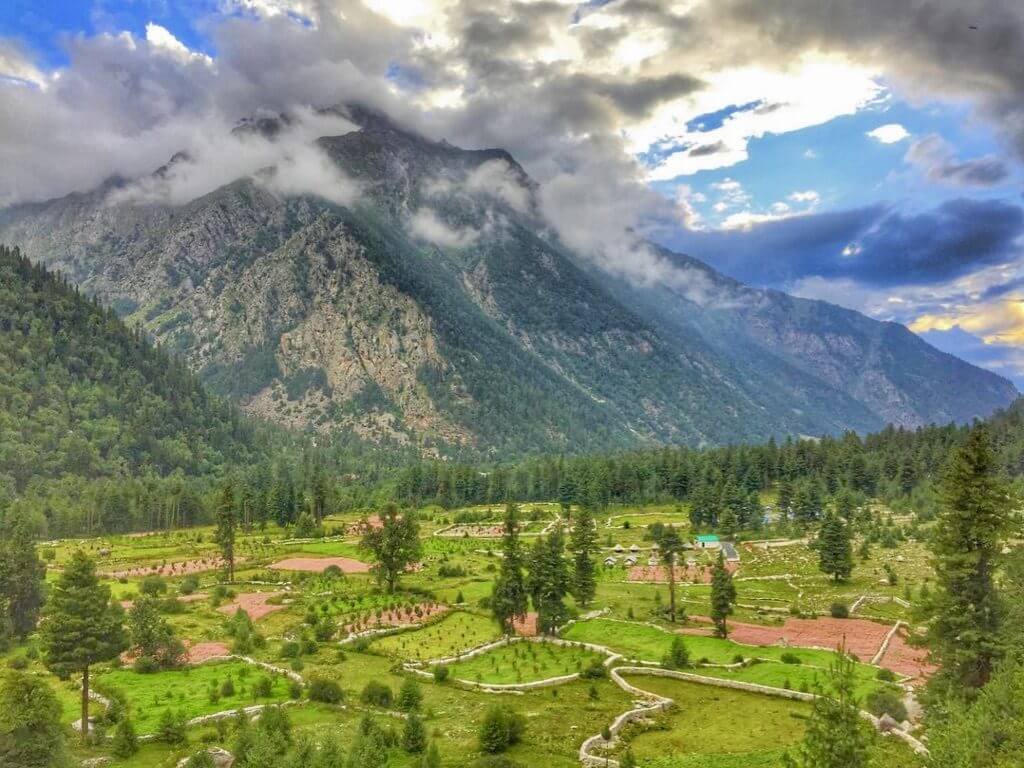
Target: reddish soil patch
<point x="526" y="626"/>
<point x="253" y="603"/>
<point x="171" y="569"/>
<point x="201" y="652"/>
<point x="362" y="526"/>
<point x="658" y="574"/>
<point x="863" y="638"/>
<point x="905" y="659"/>
<point x="318" y="564"/>
<point x="398" y="617"/>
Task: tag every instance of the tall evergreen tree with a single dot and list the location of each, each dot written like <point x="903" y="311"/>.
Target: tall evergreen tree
<point x="583" y="540"/>
<point x="82" y="626"/>
<point x="966" y="545"/>
<point x="669" y="546"/>
<point x="549" y="581"/>
<point x="723" y="595"/>
<point x="227" y="523"/>
<point x="21" y="576"/>
<point x="31" y="735"/>
<point x="509" y="598"/>
<point x="835" y="551"/>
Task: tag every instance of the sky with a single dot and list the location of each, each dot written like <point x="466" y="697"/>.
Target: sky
<point x="868" y="154"/>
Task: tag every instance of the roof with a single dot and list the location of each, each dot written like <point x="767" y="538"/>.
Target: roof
<point x="707" y="538"/>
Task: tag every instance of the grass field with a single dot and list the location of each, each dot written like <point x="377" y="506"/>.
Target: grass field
<point x="721" y="728"/>
<point x="188" y="690"/>
<point x="524" y="663"/>
<point x="456" y="632"/>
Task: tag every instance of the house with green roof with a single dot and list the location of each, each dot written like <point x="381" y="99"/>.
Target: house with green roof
<point x="707" y="541"/>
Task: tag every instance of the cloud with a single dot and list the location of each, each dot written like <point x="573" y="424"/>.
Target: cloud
<point x="806" y="196"/>
<point x="890" y="133"/>
<point x="875" y="246"/>
<point x="937" y="159"/>
<point x="427" y="225"/>
<point x="497" y="179"/>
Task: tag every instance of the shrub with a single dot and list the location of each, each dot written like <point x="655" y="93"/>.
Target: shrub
<point x="327" y="691"/>
<point x="324" y="629"/>
<point x="263" y="688"/>
<point x="153" y="585"/>
<point x="289" y="649"/>
<point x="409" y="695"/>
<point x="886" y="703"/>
<point x="501" y="728"/>
<point x="886" y="675"/>
<point x="294" y="689"/>
<point x="297" y="665"/>
<point x="495" y="761"/>
<point x="18" y="662"/>
<point x="678" y="655"/>
<point x="414" y="735"/>
<point x="839" y="611"/>
<point x="377" y="694"/>
<point x="124" y="743"/>
<point x="789" y="658"/>
<point x="595" y="670"/>
<point x="188" y="585"/>
<point x="171" y="728"/>
<point x="201" y="760"/>
<point x="440" y="673"/>
<point x="227" y="688"/>
<point x="146" y="665"/>
<point x="333" y="572"/>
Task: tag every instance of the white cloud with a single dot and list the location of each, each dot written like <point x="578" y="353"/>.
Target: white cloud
<point x="162" y="39"/>
<point x="427" y="225"/>
<point x="890" y="133"/>
<point x="807" y="196"/>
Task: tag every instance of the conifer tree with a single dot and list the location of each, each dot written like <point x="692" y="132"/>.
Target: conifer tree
<point x="834" y="737"/>
<point x="723" y="595"/>
<point x="835" y="551"/>
<point x="670" y="545"/>
<point x="509" y="597"/>
<point x="31" y="735"/>
<point x="21" y="576"/>
<point x="966" y="546"/>
<point x="583" y="540"/>
<point x="227" y="522"/>
<point x="82" y="626"/>
<point x="549" y="581"/>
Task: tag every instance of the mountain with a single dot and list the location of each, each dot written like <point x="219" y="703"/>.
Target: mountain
<point x="81" y="394"/>
<point x="435" y="307"/>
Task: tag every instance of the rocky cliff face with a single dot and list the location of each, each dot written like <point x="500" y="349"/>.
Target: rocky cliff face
<point x="436" y="308"/>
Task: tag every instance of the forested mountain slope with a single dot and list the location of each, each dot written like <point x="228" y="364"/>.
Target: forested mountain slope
<point x="81" y="394"/>
<point x="437" y="309"/>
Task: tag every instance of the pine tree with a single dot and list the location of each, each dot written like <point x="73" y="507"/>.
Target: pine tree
<point x="966" y="546"/>
<point x="509" y="597"/>
<point x="21" y="576"/>
<point x="414" y="735"/>
<point x="31" y="735"/>
<point x="227" y="522"/>
<point x="82" y="626"/>
<point x="834" y="737"/>
<point x="670" y="545"/>
<point x="723" y="595"/>
<point x="583" y="541"/>
<point x="432" y="757"/>
<point x="549" y="581"/>
<point x="835" y="551"/>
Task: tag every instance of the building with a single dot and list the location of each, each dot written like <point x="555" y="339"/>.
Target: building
<point x="730" y="553"/>
<point x="610" y="561"/>
<point x="708" y="541"/>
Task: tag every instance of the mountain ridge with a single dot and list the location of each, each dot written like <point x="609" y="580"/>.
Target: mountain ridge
<point x="438" y="309"/>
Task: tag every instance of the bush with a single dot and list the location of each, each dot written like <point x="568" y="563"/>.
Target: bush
<point x="501" y="728"/>
<point x="201" y="760"/>
<point x="414" y="735"/>
<point x="171" y="729"/>
<point x="440" y="673"/>
<point x="18" y="662"/>
<point x="295" y="690"/>
<point x="290" y="649"/>
<point x="678" y="655"/>
<point x="839" y="611"/>
<point x="595" y="670"/>
<point x="333" y="572"/>
<point x="324" y="629"/>
<point x="887" y="675"/>
<point x="376" y="694"/>
<point x="263" y="688"/>
<point x="125" y="743"/>
<point x="886" y="703"/>
<point x="188" y="585"/>
<point x="146" y="665"/>
<point x="227" y="688"/>
<point x="153" y="585"/>
<point x="495" y="761"/>
<point x="327" y="691"/>
<point x="789" y="658"/>
<point x="409" y="695"/>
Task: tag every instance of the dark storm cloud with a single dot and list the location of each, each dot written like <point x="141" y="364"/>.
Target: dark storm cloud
<point x="875" y="246"/>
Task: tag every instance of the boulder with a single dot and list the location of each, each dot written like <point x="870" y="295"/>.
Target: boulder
<point x="221" y="758"/>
